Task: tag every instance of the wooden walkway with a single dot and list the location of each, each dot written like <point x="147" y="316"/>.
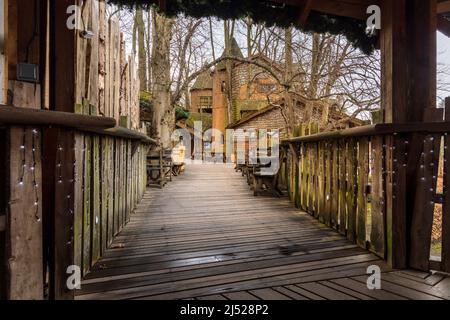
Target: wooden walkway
<point x="205" y="236"/>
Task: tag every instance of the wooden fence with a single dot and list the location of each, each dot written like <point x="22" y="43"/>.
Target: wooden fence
<point x="106" y="84"/>
<point x="73" y="163"/>
<point x="355" y="182"/>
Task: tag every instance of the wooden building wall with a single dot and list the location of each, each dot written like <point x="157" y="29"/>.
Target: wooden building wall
<point x="66" y="193"/>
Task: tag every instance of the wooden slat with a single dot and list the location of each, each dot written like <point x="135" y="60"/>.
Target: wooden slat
<point x="342" y="213"/>
<point x="95" y="200"/>
<point x="104" y="182"/>
<point x="328" y="177"/>
<point x="116" y="186"/>
<point x="396" y="199"/>
<point x="325" y="292"/>
<point x="93" y="24"/>
<point x="363" y="177"/>
<point x="303" y="163"/>
<point x="87" y="209"/>
<point x="269" y="294"/>
<point x="78" y="199"/>
<point x="422" y="218"/>
<point x="321" y="181"/>
<point x="110" y="186"/>
<point x="335" y="185"/>
<point x="377" y="234"/>
<point x="351" y="166"/>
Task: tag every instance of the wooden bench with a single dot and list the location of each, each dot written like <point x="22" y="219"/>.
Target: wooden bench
<point x="159" y="168"/>
<point x="269" y="181"/>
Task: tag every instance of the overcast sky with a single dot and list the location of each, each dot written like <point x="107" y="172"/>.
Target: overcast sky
<point x="443" y="44"/>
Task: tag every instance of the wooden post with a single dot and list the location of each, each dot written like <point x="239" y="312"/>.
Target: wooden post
<point x="62" y="98"/>
<point x="24" y="217"/>
<point x="446" y="204"/>
<point x="3" y="143"/>
<point x="3" y="55"/>
<point x="23" y="221"/>
<point x="408" y="50"/>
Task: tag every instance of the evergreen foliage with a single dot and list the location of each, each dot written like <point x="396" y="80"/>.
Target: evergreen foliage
<point x="268" y="13"/>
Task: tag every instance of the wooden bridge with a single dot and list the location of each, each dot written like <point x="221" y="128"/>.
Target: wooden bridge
<point x="207" y="237"/>
<point x="73" y="174"/>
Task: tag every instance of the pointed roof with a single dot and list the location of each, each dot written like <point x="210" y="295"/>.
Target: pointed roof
<point x="203" y="82"/>
<point x="235" y="52"/>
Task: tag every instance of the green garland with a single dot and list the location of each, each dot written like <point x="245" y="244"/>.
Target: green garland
<point x="268" y="13"/>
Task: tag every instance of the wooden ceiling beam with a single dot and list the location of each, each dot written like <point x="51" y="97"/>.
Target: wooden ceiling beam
<point x="443" y="6"/>
<point x="304" y="13"/>
<point x="345" y="8"/>
<point x="348" y="8"/>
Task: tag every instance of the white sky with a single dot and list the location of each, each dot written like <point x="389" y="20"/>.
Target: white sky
<point x="443" y="49"/>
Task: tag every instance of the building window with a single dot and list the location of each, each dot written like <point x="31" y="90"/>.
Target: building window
<point x="205" y="104"/>
<point x="267" y="87"/>
<point x="223" y="86"/>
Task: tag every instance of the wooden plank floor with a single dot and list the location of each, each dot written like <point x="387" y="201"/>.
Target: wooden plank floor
<point x="205" y="236"/>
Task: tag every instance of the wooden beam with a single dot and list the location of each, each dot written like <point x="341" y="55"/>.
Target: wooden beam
<point x="443" y="25"/>
<point x="443" y="6"/>
<point x="393" y="39"/>
<point x="3" y="54"/>
<point x="62" y="98"/>
<point x="304" y="14"/>
<point x="36" y="117"/>
<point x="345" y="8"/>
<point x="421" y="78"/>
<point x="408" y="53"/>
<point x="348" y="8"/>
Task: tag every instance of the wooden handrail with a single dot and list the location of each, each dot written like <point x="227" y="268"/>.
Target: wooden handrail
<point x="86" y="123"/>
<point x="125" y="133"/>
<point x="376" y="129"/>
<point x="40" y="117"/>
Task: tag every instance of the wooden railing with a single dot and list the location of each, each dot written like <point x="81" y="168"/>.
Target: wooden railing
<point x="70" y="182"/>
<point x="379" y="185"/>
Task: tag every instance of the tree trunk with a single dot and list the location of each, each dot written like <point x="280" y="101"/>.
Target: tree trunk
<point x="149" y="50"/>
<point x="314" y="81"/>
<point x="163" y="112"/>
<point x="139" y="22"/>
<point x="229" y="31"/>
<point x="288" y="80"/>
<point x="249" y="54"/>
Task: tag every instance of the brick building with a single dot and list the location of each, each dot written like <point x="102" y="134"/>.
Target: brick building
<point x="251" y="87"/>
<point x="271" y="117"/>
<point x="255" y="92"/>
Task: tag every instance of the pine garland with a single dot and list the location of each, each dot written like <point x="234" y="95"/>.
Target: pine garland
<point x="268" y="13"/>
